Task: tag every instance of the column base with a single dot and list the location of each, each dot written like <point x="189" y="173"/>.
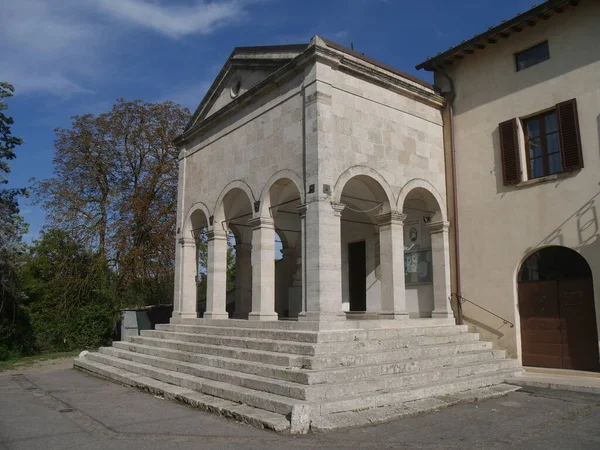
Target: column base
<point x="216" y="316"/>
<point x="316" y="316"/>
<point x="442" y="315"/>
<point x="186" y="315"/>
<point x="262" y="316"/>
<point x="394" y="315"/>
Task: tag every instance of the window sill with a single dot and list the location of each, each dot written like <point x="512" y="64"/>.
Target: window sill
<point x="546" y="179"/>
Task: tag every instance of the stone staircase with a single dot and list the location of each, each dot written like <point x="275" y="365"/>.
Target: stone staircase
<point x="299" y="376"/>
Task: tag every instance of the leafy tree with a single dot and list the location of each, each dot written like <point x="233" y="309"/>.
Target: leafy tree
<point x="71" y="298"/>
<point x="15" y="333"/>
<point x="114" y="190"/>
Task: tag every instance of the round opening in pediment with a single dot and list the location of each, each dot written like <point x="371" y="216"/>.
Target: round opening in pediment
<point x="235" y="88"/>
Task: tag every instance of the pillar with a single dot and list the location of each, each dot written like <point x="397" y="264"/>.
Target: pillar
<point x="188" y="269"/>
<point x="263" y="269"/>
<point x="391" y="255"/>
<point x="323" y="262"/>
<point x="243" y="281"/>
<point x="440" y="255"/>
<point x="216" y="289"/>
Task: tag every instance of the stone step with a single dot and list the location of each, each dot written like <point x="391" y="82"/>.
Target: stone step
<point x="256" y="382"/>
<point x="234" y="342"/>
<point x="409" y="380"/>
<point x="318" y="362"/>
<point x="407" y="366"/>
<point x="317" y="326"/>
<point x="314" y="336"/>
<point x="353" y="346"/>
<point x="278" y="404"/>
<point x="336" y="386"/>
<point x="382" y="356"/>
<point x="278" y="359"/>
<point x="242" y="413"/>
<point x="331" y="375"/>
<point x="295" y="375"/>
<point x="239" y="332"/>
<point x="382" y="414"/>
<point x="425" y="390"/>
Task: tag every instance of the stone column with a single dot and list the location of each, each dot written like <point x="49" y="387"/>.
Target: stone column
<point x="263" y="269"/>
<point x="391" y="255"/>
<point x="282" y="285"/>
<point x="440" y="254"/>
<point x="216" y="289"/>
<point x="243" y="281"/>
<point x="188" y="270"/>
<point x="323" y="262"/>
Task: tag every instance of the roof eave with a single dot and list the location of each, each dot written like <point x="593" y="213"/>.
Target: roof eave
<point x="501" y="31"/>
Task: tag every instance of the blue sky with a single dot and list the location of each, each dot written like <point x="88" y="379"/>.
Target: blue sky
<point x="68" y="57"/>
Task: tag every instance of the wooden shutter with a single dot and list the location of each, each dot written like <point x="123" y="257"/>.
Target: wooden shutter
<point x="570" y="140"/>
<point x="509" y="148"/>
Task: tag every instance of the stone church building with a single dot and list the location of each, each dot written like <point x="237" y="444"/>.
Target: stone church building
<point x="380" y="227"/>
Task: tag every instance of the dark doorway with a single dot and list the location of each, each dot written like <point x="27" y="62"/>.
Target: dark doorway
<point x="558" y="316"/>
<point x="357" y="272"/>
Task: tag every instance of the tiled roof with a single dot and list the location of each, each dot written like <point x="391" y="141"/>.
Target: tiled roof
<point x="502" y="31"/>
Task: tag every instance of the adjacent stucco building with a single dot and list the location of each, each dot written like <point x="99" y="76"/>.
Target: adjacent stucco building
<point x="523" y="127"/>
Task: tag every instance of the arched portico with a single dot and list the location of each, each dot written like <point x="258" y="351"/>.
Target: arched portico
<point x="280" y="282"/>
<point x="194" y="227"/>
<point x="233" y="212"/>
<point x="426" y="251"/>
<point x="371" y="245"/>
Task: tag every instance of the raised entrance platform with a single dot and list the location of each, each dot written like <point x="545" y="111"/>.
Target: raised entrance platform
<point x="299" y="376"/>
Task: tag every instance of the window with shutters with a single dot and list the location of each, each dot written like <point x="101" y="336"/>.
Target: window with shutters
<point x="542" y="145"/>
<point x="552" y="144"/>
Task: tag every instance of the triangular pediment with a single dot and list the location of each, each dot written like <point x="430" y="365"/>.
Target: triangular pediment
<point x="246" y="67"/>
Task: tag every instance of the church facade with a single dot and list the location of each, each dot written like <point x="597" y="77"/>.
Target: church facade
<point x="339" y="156"/>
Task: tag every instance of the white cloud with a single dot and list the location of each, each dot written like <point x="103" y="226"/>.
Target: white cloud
<point x="174" y="20"/>
<point x="61" y="47"/>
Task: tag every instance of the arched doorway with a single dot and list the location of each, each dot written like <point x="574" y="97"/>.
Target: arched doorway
<point x="364" y="199"/>
<point x="556" y="306"/>
<point x="280" y="202"/>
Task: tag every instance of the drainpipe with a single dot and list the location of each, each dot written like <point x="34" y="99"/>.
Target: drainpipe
<point x="450" y="96"/>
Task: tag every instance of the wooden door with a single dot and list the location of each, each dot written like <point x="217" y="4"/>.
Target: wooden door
<point x="558" y="324"/>
<point x="579" y="334"/>
<point x="357" y="272"/>
<point x="540" y="324"/>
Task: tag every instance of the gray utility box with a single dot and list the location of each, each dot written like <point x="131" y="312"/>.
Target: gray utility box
<point x="133" y="320"/>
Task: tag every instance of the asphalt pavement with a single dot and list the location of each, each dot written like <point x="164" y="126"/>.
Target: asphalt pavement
<point x="66" y="409"/>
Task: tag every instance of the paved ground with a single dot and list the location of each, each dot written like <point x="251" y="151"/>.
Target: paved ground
<point x="65" y="409"/>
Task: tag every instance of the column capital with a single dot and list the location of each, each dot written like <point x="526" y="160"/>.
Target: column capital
<point x="302" y="209"/>
<point x="391" y="217"/>
<point x="260" y="222"/>
<point x="438" y="227"/>
<point x="187" y="242"/>
<point x="216" y="235"/>
<point x="337" y="208"/>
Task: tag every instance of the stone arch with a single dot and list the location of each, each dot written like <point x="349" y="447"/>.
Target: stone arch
<point x="233" y="185"/>
<point x="277" y="176"/>
<point x="187" y="225"/>
<point x="419" y="183"/>
<point x="366" y="171"/>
